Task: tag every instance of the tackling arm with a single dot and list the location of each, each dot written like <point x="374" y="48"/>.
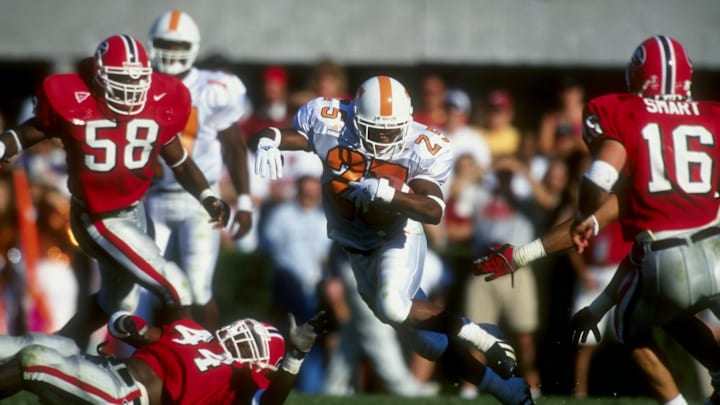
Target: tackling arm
<point x="504" y="260"/>
<point x="14" y="141"/>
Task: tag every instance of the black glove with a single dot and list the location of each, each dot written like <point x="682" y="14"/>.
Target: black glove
<point x="302" y="337"/>
<point x="582" y="323"/>
<point x="501" y="358"/>
<point x="218" y="209"/>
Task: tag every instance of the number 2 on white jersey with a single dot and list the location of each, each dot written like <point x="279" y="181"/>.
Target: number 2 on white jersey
<point x="684" y="159"/>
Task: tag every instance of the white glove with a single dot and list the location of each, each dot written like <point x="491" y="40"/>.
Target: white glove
<point x="369" y="189"/>
<point x="268" y="159"/>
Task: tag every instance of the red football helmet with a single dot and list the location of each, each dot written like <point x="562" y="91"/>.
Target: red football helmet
<point x="123" y="72"/>
<point x="258" y="344"/>
<point x="659" y="67"/>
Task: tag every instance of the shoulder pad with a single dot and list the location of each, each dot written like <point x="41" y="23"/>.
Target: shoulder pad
<point x="170" y="100"/>
<point x="69" y="96"/>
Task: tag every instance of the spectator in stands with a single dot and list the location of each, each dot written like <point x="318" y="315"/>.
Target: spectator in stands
<point x="327" y="79"/>
<point x="514" y="304"/>
<point x="432" y="110"/>
<point x="501" y="135"/>
<point x="560" y="130"/>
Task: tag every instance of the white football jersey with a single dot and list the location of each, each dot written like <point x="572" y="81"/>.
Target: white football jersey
<point x="328" y="125"/>
<point x="219" y="100"/>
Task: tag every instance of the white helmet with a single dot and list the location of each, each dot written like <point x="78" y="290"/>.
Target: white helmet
<point x="383" y="114"/>
<point x="174" y="42"/>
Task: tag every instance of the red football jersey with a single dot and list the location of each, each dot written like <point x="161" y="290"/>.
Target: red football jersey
<point x="192" y="365"/>
<point x="110" y="157"/>
<point x="670" y="179"/>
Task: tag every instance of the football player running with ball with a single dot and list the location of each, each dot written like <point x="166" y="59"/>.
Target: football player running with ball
<point x="114" y="121"/>
<point x="370" y="148"/>
<point x="654" y="150"/>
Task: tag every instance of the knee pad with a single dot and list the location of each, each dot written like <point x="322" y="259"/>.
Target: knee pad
<point x="393" y="308"/>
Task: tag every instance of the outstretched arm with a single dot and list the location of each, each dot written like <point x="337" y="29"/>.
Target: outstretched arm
<point x="506" y="259"/>
<point x="267" y="144"/>
<point x="14" y="141"/>
<point x="301" y="340"/>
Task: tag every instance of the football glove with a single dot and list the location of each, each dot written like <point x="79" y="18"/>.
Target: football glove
<point x="369" y="189"/>
<point x="218" y="209"/>
<point x="126" y="325"/>
<point x="302" y="337"/>
<point x="501" y="358"/>
<point x="268" y="159"/>
<point x="496" y="264"/>
<point x="584" y="322"/>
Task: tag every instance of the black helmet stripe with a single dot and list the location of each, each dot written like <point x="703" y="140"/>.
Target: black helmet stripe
<point x="131" y="48"/>
<point x="668" y="53"/>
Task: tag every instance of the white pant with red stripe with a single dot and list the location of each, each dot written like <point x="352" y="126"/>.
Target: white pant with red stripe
<point x="56" y="370"/>
<point x="128" y="257"/>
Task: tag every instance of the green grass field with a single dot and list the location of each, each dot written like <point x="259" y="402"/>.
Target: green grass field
<point x="296" y="399"/>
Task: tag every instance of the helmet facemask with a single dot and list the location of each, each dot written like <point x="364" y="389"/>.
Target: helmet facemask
<point x="383" y="115"/>
<point x="247" y="341"/>
<point x="173" y="57"/>
<point x="174" y="42"/>
<point x="123" y="73"/>
<point x="381" y="141"/>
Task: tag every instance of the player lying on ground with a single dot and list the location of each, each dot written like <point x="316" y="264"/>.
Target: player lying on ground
<point x="179" y="363"/>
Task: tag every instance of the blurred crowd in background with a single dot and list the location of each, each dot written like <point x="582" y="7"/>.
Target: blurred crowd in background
<point x="511" y="183"/>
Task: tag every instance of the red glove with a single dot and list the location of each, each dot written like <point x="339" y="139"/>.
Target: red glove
<point x="497" y="264"/>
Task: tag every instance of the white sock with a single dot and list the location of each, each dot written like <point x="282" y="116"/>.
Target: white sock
<point x="477" y="336"/>
<point x="522" y="255"/>
<point x="678" y="400"/>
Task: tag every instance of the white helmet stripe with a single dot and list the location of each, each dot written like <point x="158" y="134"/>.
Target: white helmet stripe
<point x="668" y="54"/>
<point x="130" y="48"/>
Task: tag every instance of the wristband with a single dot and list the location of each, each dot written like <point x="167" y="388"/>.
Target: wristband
<point x="522" y="255"/>
<point x="3" y="149"/>
<point x="278" y="136"/>
<point x="111" y="324"/>
<point x="17" y="140"/>
<point x="291" y="364"/>
<point x="205" y="194"/>
<point x="244" y="203"/>
<point x="596" y="225"/>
